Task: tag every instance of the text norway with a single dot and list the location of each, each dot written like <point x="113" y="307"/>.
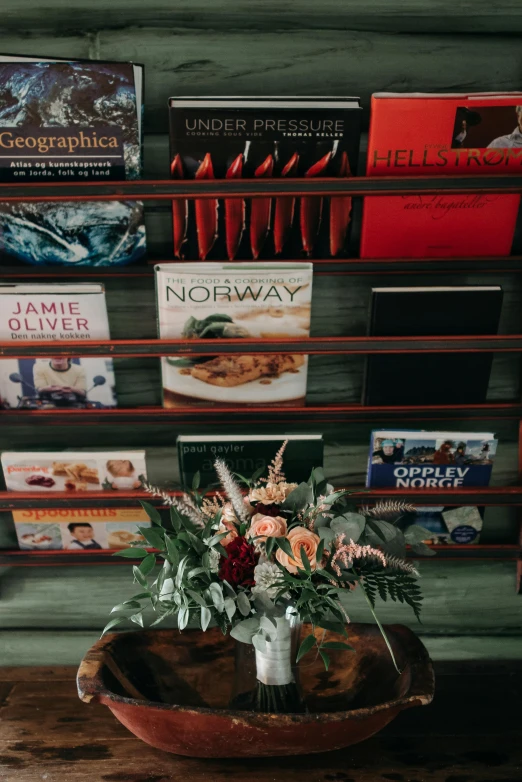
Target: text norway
<point x="429" y="476"/>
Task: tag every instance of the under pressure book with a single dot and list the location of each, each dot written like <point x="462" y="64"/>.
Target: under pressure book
<point x="244" y="454"/>
<point x="57" y="312"/>
<point x="439" y="135"/>
<point x="410" y="459"/>
<point x="70" y="121"/>
<point x="431" y="378"/>
<point x="240" y="301"/>
<point x="247" y="138"/>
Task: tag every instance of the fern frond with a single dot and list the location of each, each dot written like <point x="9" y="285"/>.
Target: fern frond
<point x="389" y="509"/>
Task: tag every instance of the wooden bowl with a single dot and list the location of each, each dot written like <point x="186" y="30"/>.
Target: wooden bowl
<point x="172" y="690"/>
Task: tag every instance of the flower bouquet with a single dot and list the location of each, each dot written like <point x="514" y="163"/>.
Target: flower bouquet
<point x="260" y="561"/>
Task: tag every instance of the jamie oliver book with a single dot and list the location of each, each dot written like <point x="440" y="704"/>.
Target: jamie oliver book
<point x="70" y="121"/>
<point x="85" y="529"/>
<point x="249" y="138"/>
<point x="244" y="454"/>
<point x="50" y="313"/>
<point x="423" y="134"/>
<point x="415" y="459"/>
<point x="73" y="471"/>
<point x="241" y="301"/>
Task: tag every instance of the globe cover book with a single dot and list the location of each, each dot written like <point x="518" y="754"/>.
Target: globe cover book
<point x="70" y="121"/>
<point x="244" y="454"/>
<point x="85" y="529"/>
<point x="57" y="312"/>
<point x="435" y="136"/>
<point x="247" y="138"/>
<point x="234" y="300"/>
<point x="431" y="378"/>
<point x="413" y="459"/>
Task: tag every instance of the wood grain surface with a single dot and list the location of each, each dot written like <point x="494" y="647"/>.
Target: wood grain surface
<point x="47" y="734"/>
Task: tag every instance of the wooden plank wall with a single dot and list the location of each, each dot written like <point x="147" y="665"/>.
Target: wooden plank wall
<point x="337" y="47"/>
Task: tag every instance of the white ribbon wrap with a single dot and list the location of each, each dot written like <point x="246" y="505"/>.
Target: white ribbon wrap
<point x="274" y="666"/>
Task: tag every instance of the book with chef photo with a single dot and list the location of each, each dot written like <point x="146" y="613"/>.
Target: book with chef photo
<point x="240" y="301"/>
<point x="75" y="529"/>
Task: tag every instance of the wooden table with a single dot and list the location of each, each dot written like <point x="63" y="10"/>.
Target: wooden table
<point x="471" y="733"/>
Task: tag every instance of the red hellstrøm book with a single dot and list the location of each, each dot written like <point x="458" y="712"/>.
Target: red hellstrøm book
<point x="420" y="134"/>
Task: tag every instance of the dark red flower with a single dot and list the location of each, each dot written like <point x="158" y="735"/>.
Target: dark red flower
<point x="238" y="567"/>
<point x="271" y="509"/>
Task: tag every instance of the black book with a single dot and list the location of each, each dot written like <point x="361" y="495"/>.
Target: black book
<point x="431" y="378"/>
<point x="249" y="138"/>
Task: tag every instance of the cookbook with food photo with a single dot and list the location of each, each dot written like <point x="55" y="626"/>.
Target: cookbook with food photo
<point x="234" y="301"/>
<point x="74" y="471"/>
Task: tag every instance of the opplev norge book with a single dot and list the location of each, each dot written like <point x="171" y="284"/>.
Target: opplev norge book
<point x="70" y="121"/>
<point x="411" y="459"/>
<point x="242" y="301"/>
<point x="272" y="137"/>
<point x="56" y="312"/>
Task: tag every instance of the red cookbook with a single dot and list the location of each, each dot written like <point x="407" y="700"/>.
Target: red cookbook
<point x="438" y="135"/>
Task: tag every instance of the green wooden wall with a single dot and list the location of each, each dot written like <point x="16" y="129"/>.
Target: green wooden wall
<point x="337" y="47"/>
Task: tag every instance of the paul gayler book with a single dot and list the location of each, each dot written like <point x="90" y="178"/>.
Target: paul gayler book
<point x="70" y="121"/>
<point x="245" y="454"/>
<point x="51" y="313"/>
<point x="241" y="301"/>
<point x="412" y="459"/>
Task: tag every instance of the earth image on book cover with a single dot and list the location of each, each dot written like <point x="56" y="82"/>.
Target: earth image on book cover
<point x="45" y="107"/>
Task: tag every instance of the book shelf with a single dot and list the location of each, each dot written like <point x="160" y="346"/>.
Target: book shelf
<point x="336" y="345"/>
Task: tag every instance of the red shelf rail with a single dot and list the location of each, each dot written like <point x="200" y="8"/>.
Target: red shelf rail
<point x="490" y="495"/>
<point x="167" y="190"/>
<point x="14" y="557"/>
<point x="143" y="348"/>
<point x="218" y="416"/>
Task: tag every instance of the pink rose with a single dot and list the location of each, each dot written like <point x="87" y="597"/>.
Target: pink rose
<point x="299" y="537"/>
<point x="263" y="527"/>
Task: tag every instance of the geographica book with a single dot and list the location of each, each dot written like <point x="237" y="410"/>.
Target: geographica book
<point x="70" y="121"/>
<point x="242" y="301"/>
<point x="57" y="312"/>
<point x="248" y="138"/>
<point x="431" y="378"/>
<point x="73" y="471"/>
<point x="423" y="134"/>
<point x="413" y="459"/>
<point x="85" y="529"/>
<point x="244" y="454"/>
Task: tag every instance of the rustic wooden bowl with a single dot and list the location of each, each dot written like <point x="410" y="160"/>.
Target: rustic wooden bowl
<point x="172" y="690"/>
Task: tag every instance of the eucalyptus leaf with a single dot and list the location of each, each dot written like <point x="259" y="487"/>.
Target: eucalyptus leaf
<point x="217" y="596"/>
<point x="205" y="617"/>
<point x="196" y="481"/>
<point x="339" y="645"/>
<point x="298" y="498"/>
<point x="148" y="564"/>
<point x="151" y="512"/>
<point x="327" y="535"/>
<point x="245" y="630"/>
<point x="128" y="604"/>
<point x="230" y="607"/>
<point x="416" y="534"/>
<point x="137" y="619"/>
<point x="243" y="604"/>
<point x="175" y="519"/>
<point x="351" y="525"/>
<point x="116" y="621"/>
<point x="306" y="645"/>
<point x="422" y="550"/>
<point x="285" y="546"/>
<point x="153" y="536"/>
<point x="183" y="618"/>
<point x="139" y="577"/>
<point x="131" y="553"/>
<point x="259" y="642"/>
<point x="196" y="597"/>
<point x="325" y="659"/>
